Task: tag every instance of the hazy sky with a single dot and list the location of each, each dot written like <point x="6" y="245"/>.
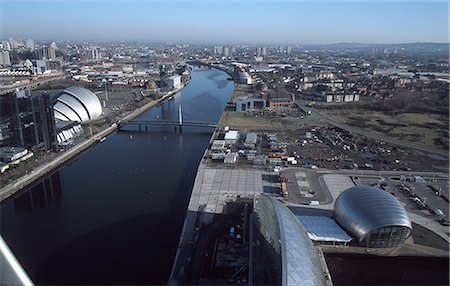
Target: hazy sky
<point x="226" y="22"/>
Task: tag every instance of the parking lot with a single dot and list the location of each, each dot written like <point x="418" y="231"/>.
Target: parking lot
<point x="304" y="186"/>
<point x="417" y="197"/>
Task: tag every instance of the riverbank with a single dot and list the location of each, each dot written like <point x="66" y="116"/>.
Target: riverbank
<point x="78" y="149"/>
<point x="189" y="226"/>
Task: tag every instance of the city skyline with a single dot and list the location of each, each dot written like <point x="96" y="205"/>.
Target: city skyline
<point x="248" y="22"/>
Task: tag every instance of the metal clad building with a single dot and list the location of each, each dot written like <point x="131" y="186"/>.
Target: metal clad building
<point x="77" y="104"/>
<point x="374" y="217"/>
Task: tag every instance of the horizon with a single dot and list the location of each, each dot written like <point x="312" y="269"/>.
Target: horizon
<point x="156" y="43"/>
<point x="234" y="23"/>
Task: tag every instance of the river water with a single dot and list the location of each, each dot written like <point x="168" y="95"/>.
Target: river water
<point x="114" y="215"/>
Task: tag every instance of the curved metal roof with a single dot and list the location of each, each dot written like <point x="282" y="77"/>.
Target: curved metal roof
<point x="65" y="113"/>
<point x="77" y="104"/>
<point x="74" y="104"/>
<point x="300" y="260"/>
<point x="359" y="210"/>
<point x="11" y="272"/>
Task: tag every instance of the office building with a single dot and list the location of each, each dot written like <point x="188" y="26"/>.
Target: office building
<point x="93" y="54"/>
<point x="6" y="45"/>
<point x="27" y="121"/>
<point x="226" y="51"/>
<point x="258" y="51"/>
<point x="52" y="52"/>
<point x="30" y="44"/>
<point x="173" y="81"/>
<point x="218" y="50"/>
<point x="43" y="53"/>
<point x="5" y="59"/>
<point x="289" y="50"/>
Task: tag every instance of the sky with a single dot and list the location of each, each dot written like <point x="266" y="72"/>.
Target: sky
<point x="228" y="22"/>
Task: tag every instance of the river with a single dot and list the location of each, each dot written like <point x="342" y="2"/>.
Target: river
<point x="114" y="215"/>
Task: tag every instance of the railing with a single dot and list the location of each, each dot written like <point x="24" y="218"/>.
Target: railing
<point x="172" y="123"/>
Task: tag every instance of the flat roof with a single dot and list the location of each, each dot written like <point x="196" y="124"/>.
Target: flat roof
<point x="231" y="135"/>
<point x="321" y="228"/>
<point x="251" y="137"/>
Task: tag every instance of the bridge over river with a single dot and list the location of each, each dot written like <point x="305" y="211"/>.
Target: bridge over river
<point x="177" y="123"/>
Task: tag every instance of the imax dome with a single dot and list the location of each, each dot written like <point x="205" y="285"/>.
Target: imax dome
<point x="77" y="104"/>
<point x="374" y="217"/>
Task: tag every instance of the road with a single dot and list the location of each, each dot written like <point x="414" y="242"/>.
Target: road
<point x="32" y="84"/>
<point x="315" y="115"/>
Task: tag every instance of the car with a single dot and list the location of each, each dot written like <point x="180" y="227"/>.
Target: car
<point x="439" y="212"/>
<point x="443" y="222"/>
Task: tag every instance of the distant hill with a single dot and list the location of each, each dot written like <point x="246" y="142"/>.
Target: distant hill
<point x="420" y="47"/>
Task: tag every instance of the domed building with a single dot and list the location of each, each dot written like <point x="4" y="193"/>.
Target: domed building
<point x="372" y="216"/>
<point x="77" y="104"/>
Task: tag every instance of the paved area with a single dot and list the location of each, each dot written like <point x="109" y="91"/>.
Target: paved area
<point x="336" y="184"/>
<point x="431" y="225"/>
<point x="221" y="185"/>
<point x="212" y="189"/>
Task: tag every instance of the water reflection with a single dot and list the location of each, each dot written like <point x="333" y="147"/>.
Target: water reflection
<point x="124" y="201"/>
<point x="41" y="195"/>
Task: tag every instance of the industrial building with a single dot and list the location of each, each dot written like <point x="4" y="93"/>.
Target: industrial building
<point x="373" y="217"/>
<point x="250" y="140"/>
<point x="244" y="104"/>
<point x="231" y="136"/>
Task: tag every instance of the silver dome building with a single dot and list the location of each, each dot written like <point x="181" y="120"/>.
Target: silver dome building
<point x="374" y="217"/>
<point x="77" y="104"/>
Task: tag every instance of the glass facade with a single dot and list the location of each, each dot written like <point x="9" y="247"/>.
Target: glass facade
<point x="391" y="236"/>
<point x="27" y="121"/>
<point x="300" y="264"/>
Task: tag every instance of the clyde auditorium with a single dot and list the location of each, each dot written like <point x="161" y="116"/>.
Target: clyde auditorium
<point x="77" y="104"/>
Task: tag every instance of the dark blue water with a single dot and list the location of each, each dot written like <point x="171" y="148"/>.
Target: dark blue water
<point x="114" y="215"/>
